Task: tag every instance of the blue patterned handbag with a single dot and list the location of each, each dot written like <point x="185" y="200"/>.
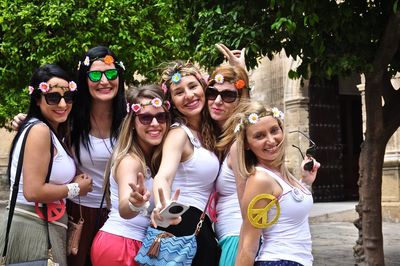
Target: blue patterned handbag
<point x="163" y="248"/>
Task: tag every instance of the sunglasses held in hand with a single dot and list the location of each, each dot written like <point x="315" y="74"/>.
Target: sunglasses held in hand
<point x="54" y="98"/>
<point x="228" y="96"/>
<point x="95" y="75"/>
<point x="310" y="152"/>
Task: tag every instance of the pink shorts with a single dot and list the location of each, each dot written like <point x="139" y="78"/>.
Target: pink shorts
<point x="109" y="250"/>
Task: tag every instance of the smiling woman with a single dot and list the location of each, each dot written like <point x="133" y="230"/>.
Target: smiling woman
<point x="51" y="98"/>
<point x="96" y="118"/>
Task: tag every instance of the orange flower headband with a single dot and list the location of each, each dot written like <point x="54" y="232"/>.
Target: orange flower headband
<point x="239" y="84"/>
<point x="108" y="60"/>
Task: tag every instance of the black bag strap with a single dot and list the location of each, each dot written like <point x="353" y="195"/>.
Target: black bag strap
<point x="16" y="187"/>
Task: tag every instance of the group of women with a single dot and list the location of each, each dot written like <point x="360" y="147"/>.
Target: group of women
<point x="181" y="140"/>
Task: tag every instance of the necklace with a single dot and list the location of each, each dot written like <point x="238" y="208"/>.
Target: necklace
<point x="101" y="135"/>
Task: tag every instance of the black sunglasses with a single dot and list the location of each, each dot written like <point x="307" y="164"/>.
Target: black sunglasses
<point x="54" y="98"/>
<point x="95" y="75"/>
<point x="227" y="96"/>
<point x="146" y="119"/>
<point x="310" y="152"/>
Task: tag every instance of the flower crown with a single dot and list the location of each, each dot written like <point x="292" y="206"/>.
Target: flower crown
<point x="177" y="74"/>
<point x="253" y="118"/>
<point x="45" y="87"/>
<point x="239" y="84"/>
<point x="156" y="102"/>
<point x="108" y="60"/>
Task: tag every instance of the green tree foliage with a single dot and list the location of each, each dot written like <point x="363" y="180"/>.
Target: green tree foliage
<point x="142" y="34"/>
<point x="332" y="38"/>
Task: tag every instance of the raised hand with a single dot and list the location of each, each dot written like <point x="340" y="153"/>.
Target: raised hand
<point x="234" y="57"/>
<point x="155" y="215"/>
<point x="308" y="176"/>
<point x="139" y="194"/>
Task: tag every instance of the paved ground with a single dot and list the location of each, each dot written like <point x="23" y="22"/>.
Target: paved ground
<point x="334" y="235"/>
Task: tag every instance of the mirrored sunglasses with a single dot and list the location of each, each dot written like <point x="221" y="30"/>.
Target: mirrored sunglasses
<point x="227" y="96"/>
<point x="95" y="75"/>
<point x="146" y="119"/>
<point x="54" y="98"/>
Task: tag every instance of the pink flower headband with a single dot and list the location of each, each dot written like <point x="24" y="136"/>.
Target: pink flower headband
<point x="156" y="102"/>
<point x="45" y="87"/>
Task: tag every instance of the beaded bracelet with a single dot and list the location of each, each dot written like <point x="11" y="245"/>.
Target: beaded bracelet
<point x="73" y="190"/>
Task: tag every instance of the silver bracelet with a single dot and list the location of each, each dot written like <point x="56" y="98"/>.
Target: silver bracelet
<point x="73" y="190"/>
<point x="142" y="209"/>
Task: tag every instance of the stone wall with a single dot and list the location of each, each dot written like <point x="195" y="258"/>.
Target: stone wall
<point x="6" y="138"/>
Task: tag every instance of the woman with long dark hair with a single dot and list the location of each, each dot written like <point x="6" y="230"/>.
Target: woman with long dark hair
<point x="51" y="96"/>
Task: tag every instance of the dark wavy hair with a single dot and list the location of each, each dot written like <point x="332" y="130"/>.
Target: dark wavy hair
<point x="83" y="104"/>
<point x="42" y="74"/>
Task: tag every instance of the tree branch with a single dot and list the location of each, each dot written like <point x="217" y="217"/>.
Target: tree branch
<point x="389" y="44"/>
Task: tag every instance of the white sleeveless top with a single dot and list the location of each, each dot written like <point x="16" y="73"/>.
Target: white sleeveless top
<point x="62" y="172"/>
<point x="290" y="237"/>
<point x="195" y="177"/>
<point x="134" y="228"/>
<point x="94" y="166"/>
<point x="229" y="217"/>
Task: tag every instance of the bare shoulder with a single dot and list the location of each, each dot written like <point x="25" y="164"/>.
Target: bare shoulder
<point x="39" y="135"/>
<point x="261" y="182"/>
<point x="130" y="163"/>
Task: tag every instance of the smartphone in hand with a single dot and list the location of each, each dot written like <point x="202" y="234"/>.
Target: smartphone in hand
<point x="172" y="210"/>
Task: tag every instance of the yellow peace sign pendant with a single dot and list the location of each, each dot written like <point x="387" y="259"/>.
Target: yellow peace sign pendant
<point x="259" y="217"/>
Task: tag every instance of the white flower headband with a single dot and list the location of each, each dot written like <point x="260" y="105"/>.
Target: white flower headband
<point x="45" y="87"/>
<point x="253" y="118"/>
<point x="156" y="102"/>
<point x="108" y="59"/>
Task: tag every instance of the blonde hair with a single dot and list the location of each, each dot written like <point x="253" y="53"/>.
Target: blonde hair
<point x="246" y="159"/>
<point x="232" y="74"/>
<point x="207" y="128"/>
<point x="127" y="142"/>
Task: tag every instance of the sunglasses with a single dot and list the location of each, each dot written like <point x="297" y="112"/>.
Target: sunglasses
<point x="95" y="75"/>
<point x="310" y="152"/>
<point x="227" y="96"/>
<point x="146" y="119"/>
<point x="54" y="98"/>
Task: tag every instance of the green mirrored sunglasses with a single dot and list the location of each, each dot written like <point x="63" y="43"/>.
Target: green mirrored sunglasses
<point x="95" y="75"/>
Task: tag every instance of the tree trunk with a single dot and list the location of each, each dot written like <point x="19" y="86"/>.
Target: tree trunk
<point x="369" y="247"/>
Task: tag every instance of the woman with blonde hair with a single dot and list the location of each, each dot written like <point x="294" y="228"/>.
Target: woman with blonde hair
<point x="228" y="85"/>
<point x="188" y="159"/>
<point x="260" y="153"/>
<point x="134" y="161"/>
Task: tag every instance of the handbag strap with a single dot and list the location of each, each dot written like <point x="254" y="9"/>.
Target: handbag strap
<point x="203" y="216"/>
<point x="16" y="188"/>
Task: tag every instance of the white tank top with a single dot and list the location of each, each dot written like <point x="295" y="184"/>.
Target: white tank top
<point x="134" y="228"/>
<point x="290" y="237"/>
<point x="94" y="166"/>
<point x="195" y="177"/>
<point x="62" y="172"/>
<point x="229" y="217"/>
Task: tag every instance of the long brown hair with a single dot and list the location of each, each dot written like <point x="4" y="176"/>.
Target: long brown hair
<point x="207" y="129"/>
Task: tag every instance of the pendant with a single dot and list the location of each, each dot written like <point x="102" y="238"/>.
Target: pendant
<point x="148" y="173"/>
<point x="297" y="194"/>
